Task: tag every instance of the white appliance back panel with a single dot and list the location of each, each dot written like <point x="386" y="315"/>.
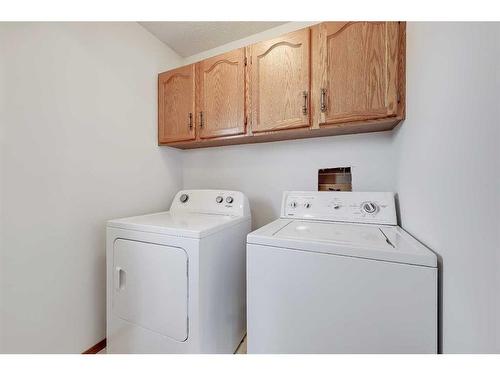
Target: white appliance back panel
<point x="150" y="287"/>
<point x="354" y="207"/>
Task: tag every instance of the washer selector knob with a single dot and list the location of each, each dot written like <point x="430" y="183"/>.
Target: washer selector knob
<point x="184" y="198"/>
<point x="229" y="200"/>
<point x="293" y="204"/>
<point x="219" y="199"/>
<point x="307" y="205"/>
<point x="370" y="207"/>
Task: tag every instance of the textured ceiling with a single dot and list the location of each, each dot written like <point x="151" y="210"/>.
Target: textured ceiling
<point x="190" y="38"/>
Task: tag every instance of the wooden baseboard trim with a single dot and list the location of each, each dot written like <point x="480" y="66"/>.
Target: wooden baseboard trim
<point x="96" y="348"/>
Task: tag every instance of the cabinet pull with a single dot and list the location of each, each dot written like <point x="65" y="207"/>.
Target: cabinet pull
<point x="304" y="107"/>
<point x="323" y="100"/>
<point x="190" y="121"/>
<point x="201" y="119"/>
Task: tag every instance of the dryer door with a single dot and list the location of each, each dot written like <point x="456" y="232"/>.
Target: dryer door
<point x="150" y="287"/>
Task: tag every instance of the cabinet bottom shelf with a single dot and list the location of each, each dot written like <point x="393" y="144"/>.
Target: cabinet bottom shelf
<point x="369" y="126"/>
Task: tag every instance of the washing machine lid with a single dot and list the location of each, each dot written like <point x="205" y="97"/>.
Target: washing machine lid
<point x="180" y="224"/>
<point x="370" y="241"/>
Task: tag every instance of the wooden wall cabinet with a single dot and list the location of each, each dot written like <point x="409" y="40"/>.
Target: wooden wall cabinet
<point x="176" y="105"/>
<point x="356" y="74"/>
<point x="279" y="82"/>
<point x="221" y="95"/>
<point x="331" y="78"/>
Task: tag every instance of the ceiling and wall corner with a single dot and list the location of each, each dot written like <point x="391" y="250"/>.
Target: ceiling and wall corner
<point x="78" y="148"/>
<point x="190" y="38"/>
<point x="254" y="38"/>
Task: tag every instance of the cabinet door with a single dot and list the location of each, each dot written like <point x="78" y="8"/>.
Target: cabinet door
<point x="356" y="71"/>
<point x="221" y="93"/>
<point x="280" y="79"/>
<point x="176" y="105"/>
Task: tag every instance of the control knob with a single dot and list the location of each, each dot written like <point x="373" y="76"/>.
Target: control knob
<point x="370" y="207"/>
<point x="184" y="198"/>
<point x="219" y="199"/>
<point x="229" y="200"/>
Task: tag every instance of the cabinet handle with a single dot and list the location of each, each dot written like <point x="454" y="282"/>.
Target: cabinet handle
<point x="201" y="120"/>
<point x="323" y="100"/>
<point x="190" y="121"/>
<point x="304" y="107"/>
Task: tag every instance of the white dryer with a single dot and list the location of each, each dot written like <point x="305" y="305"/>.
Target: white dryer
<point x="335" y="274"/>
<point x="176" y="279"/>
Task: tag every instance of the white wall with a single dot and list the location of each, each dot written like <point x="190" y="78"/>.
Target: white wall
<point x="443" y="162"/>
<point x="264" y="171"/>
<point x="78" y="147"/>
<point x="448" y="168"/>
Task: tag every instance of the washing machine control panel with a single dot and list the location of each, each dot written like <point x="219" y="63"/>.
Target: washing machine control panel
<point x="356" y="207"/>
<point x="224" y="202"/>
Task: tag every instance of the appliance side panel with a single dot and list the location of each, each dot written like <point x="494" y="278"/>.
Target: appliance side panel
<point x="223" y="289"/>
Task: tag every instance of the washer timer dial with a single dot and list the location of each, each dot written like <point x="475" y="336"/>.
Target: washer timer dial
<point x="369" y="207"/>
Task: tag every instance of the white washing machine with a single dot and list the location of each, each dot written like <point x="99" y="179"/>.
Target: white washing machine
<point x="335" y="274"/>
<point x="176" y="279"/>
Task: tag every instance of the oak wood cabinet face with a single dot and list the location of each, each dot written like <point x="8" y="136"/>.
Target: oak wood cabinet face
<point x="221" y="93"/>
<point x="355" y="75"/>
<point x="279" y="82"/>
<point x="176" y="105"/>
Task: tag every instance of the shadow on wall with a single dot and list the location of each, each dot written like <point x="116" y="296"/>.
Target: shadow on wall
<point x="440" y="279"/>
<point x="261" y="208"/>
<point x="440" y="302"/>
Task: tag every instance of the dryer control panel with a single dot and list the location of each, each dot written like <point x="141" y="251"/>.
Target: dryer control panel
<point x="223" y="202"/>
<point x="354" y="207"/>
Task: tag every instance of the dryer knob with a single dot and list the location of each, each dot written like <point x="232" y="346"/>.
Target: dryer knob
<point x="229" y="200"/>
<point x="184" y="198"/>
<point x="219" y="199"/>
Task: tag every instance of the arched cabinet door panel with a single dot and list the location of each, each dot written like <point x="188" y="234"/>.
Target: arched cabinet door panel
<point x="221" y="95"/>
<point x="176" y="105"/>
<point x="280" y="82"/>
<point x="356" y="71"/>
